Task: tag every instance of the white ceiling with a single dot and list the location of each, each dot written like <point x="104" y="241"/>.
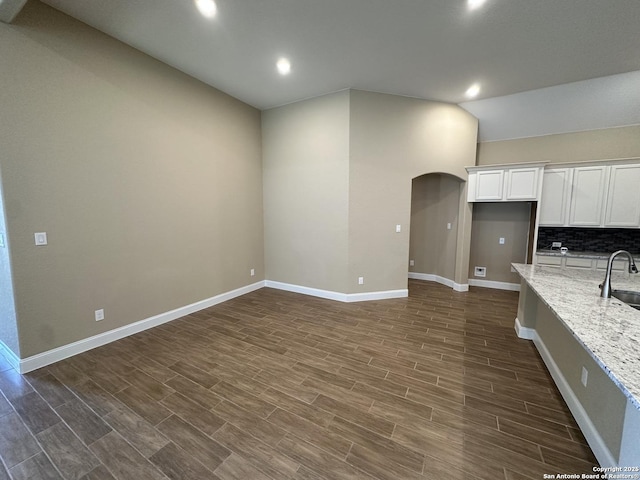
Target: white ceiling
<point x="432" y="49"/>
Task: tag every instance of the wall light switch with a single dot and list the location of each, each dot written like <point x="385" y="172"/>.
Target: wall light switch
<point x="448" y="226"/>
<point x="41" y="238"/>
<point x="501" y="241"/>
<point x="398" y="228"/>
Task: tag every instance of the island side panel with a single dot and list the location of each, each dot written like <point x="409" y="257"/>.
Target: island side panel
<point x="602" y="400"/>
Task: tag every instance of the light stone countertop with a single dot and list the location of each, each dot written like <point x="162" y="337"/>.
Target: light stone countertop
<point x="607" y="328"/>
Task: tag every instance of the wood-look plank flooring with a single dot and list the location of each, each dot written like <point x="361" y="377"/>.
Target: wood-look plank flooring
<point x="276" y="385"/>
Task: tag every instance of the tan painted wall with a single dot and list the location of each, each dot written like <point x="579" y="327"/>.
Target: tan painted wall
<point x="148" y="182"/>
<point x="490" y="222"/>
<point x="393" y="140"/>
<point x="434" y="203"/>
<point x="338" y="173"/>
<point x="601" y="398"/>
<point x="621" y="142"/>
<point x="306" y="192"/>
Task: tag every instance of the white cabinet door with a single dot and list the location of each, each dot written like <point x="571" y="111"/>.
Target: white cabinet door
<point x="623" y="198"/>
<point x="587" y="196"/>
<point x="556" y="191"/>
<point x="489" y="185"/>
<point x="522" y="183"/>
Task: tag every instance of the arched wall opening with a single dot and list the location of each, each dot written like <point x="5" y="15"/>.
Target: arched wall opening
<point x="438" y="241"/>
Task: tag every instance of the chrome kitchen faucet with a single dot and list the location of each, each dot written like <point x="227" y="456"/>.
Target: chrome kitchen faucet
<point x="605" y="286"/>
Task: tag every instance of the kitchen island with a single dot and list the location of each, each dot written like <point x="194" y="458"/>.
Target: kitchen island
<point x="591" y="346"/>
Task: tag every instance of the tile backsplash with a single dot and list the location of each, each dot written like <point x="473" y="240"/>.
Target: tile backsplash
<point x="601" y="240"/>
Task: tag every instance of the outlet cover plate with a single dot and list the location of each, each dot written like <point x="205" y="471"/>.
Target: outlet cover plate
<point x="480" y="272"/>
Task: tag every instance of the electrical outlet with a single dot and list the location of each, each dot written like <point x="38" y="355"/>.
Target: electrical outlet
<point x="480" y="272"/>
<point x="584" y="377"/>
<point x="99" y="315"/>
<point x="41" y="238"/>
<point x="501" y="241"/>
<point x="556" y="245"/>
<point x="398" y="228"/>
<point x="448" y="226"/>
<point x="412" y="263"/>
<point x="253" y="272"/>
<point x="360" y="280"/>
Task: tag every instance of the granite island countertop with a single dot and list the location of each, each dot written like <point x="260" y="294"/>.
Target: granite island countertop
<point x="607" y="328"/>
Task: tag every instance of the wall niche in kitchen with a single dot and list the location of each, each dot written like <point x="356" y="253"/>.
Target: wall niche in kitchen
<point x="599" y="240"/>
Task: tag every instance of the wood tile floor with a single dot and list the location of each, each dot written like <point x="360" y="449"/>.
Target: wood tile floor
<point x="276" y="385"/>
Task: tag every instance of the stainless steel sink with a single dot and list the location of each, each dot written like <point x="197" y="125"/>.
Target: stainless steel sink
<point x="630" y="298"/>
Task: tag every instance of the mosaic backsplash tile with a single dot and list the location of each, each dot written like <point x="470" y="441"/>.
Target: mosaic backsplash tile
<point x="602" y="240"/>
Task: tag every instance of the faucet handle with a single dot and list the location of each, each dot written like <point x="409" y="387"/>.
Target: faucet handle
<point x="633" y="268"/>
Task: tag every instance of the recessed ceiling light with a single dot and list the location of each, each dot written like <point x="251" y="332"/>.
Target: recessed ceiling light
<point x="207" y="8"/>
<point x="473" y="4"/>
<point x="473" y="91"/>
<point x="284" y="66"/>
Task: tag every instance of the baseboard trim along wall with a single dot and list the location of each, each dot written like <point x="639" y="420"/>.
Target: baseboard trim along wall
<point x="337" y="296"/>
<point x="11" y="357"/>
<point x="51" y="356"/>
<point x="524" y="332"/>
<point x="599" y="448"/>
<point x="43" y="359"/>
<point x="515" y="287"/>
<point x="430" y="277"/>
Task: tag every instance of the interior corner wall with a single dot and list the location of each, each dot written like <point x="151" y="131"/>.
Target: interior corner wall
<point x="306" y="192"/>
<point x="147" y="182"/>
<point x="393" y="140"/>
<point x="434" y="204"/>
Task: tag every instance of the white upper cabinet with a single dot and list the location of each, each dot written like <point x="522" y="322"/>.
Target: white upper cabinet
<point x="623" y="197"/>
<point x="523" y="184"/>
<point x="505" y="183"/>
<point x="489" y="185"/>
<point x="556" y="193"/>
<point x="593" y="195"/>
<point x="587" y="196"/>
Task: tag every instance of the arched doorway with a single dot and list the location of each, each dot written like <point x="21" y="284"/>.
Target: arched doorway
<point x="437" y="248"/>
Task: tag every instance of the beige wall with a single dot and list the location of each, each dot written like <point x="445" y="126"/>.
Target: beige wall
<point x="602" y="400"/>
<point x="148" y="182"/>
<point x="393" y="140"/>
<point x="306" y="192"/>
<point x="338" y="173"/>
<point x="490" y="222"/>
<point x="621" y="142"/>
<point x="434" y="204"/>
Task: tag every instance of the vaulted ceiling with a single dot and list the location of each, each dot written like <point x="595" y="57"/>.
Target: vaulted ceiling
<point x="432" y="49"/>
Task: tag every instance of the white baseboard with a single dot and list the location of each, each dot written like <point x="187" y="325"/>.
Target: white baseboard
<point x="430" y="277"/>
<point x="51" y="356"/>
<point x="599" y="448"/>
<point x="10" y="356"/>
<point x="338" y="296"/>
<point x="524" y="332"/>
<point x="515" y="287"/>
